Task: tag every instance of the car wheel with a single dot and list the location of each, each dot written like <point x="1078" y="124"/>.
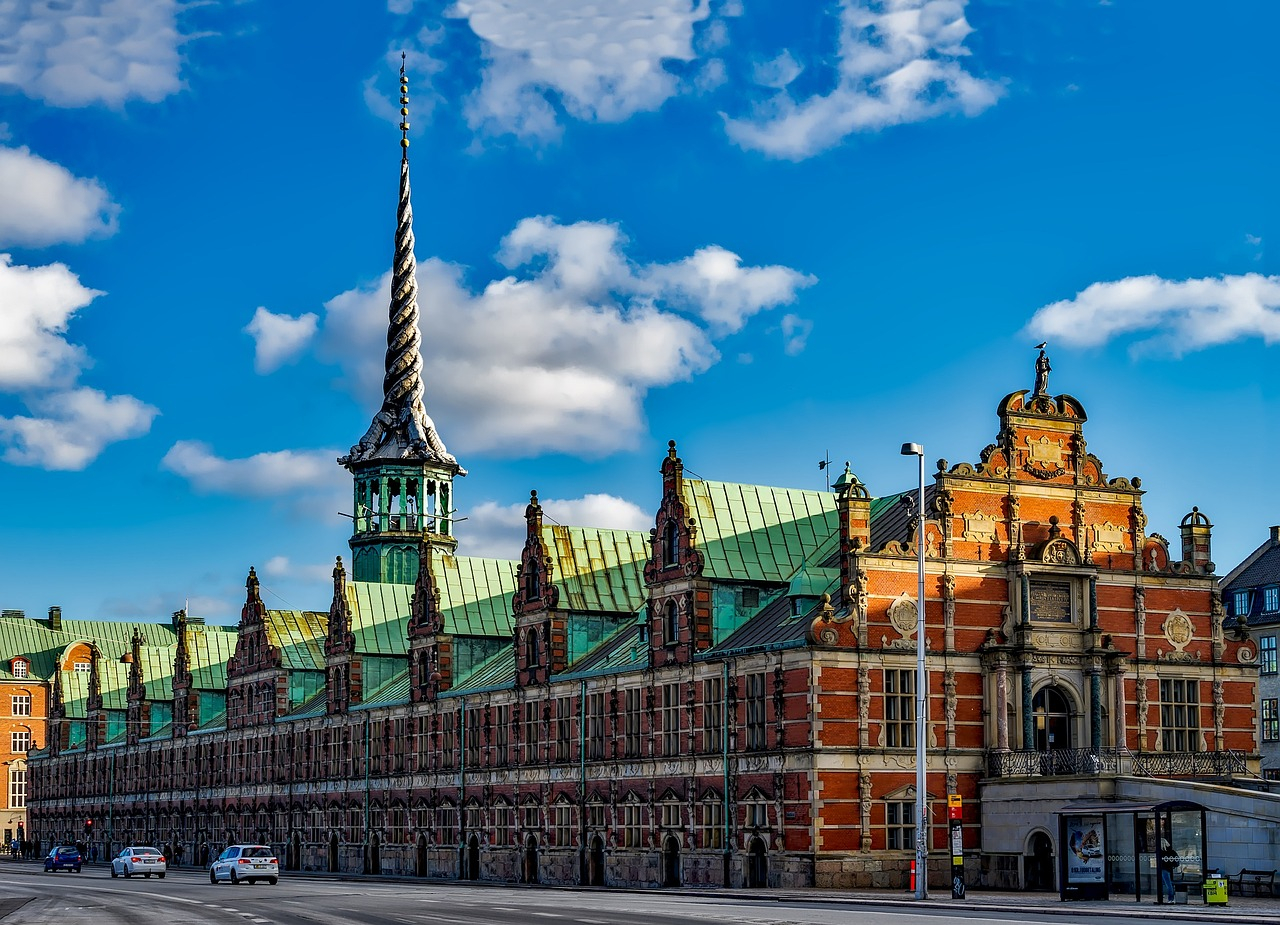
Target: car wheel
<point x="213" y="878"/>
<point x="273" y="880"/>
<point x="128" y="874"/>
<point x="114" y="872"/>
<point x="235" y="881"/>
<point x="147" y="875"/>
<point x="77" y="870"/>
<point x="161" y="876"/>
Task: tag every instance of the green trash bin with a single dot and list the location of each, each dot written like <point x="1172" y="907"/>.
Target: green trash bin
<point x="1215" y="891"/>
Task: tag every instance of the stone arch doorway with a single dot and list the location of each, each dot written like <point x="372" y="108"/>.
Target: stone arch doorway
<point x="333" y="853"/>
<point x="373" y="859"/>
<point x="1038" y="864"/>
<point x="473" y="857"/>
<point x="293" y="853"/>
<point x="529" y="872"/>
<point x="1055" y="729"/>
<point x="420" y="857"/>
<point x="671" y="862"/>
<point x="595" y="862"/>
<point x="757" y="863"/>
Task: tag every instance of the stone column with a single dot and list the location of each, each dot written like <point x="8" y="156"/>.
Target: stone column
<point x="1095" y="705"/>
<point x="1028" y="719"/>
<point x="1002" y="704"/>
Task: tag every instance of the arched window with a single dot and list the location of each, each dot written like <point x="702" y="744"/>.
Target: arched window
<point x="1053" y="720"/>
<point x="532" y="586"/>
<point x="531" y="655"/>
<point x="670" y="624"/>
<point x="670" y="544"/>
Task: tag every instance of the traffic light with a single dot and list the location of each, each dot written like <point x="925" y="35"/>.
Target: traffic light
<point x="88" y="827"/>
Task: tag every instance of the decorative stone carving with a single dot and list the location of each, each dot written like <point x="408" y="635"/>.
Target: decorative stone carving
<point x="1143" y="704"/>
<point x="949" y="705"/>
<point x="864" y="808"/>
<point x="1046" y="458"/>
<point x="949" y="611"/>
<point x="902" y="615"/>
<point x="1219" y="711"/>
<point x="1140" y="620"/>
<point x="1178" y="629"/>
<point x="979" y="527"/>
<point x="864" y="706"/>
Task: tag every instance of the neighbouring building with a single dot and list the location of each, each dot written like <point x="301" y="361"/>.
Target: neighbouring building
<point x="1252" y="593"/>
<point x="726" y="698"/>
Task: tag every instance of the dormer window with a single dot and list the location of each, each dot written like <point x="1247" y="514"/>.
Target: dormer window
<point x="670" y="544"/>
<point x="18" y="668"/>
<point x="1241" y="603"/>
<point x="1270" y="599"/>
<point x="82" y="666"/>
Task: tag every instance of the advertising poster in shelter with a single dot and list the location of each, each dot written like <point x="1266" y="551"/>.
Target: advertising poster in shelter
<point x="1086" y="858"/>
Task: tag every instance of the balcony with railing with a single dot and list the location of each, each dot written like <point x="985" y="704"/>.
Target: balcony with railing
<point x="1110" y="761"/>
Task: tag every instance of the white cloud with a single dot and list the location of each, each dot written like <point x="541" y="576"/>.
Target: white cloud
<point x="795" y="334"/>
<point x="284" y="568"/>
<point x="498" y="531"/>
<point x="263" y="475"/>
<point x="84" y="52"/>
<point x="899" y="61"/>
<point x="1180" y="315"/>
<point x="600" y="62"/>
<point x="163" y="604"/>
<point x="279" y="339"/>
<point x="38" y="303"/>
<point x="44" y="203"/>
<point x="72" y="428"/>
<point x="586" y="333"/>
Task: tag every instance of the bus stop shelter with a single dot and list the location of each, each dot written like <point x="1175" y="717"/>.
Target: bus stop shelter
<point x="1121" y="848"/>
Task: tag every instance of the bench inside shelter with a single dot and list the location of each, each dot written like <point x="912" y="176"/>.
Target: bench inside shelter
<point x="1258" y="882"/>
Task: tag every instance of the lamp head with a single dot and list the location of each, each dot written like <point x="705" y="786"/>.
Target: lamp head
<point x="912" y="449"/>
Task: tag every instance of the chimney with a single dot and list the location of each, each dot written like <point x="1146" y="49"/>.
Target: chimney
<point x="12" y="615"/>
<point x="55" y="618"/>
<point x="1196" y="531"/>
<point x="1275" y="536"/>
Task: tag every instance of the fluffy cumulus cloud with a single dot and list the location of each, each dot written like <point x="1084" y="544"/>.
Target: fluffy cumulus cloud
<point x="600" y="62"/>
<point x="279" y="339"/>
<point x="39" y="303"/>
<point x="558" y="355"/>
<point x="44" y="203"/>
<point x="86" y="52"/>
<point x="1179" y="316"/>
<point x="498" y="530"/>
<point x="898" y="61"/>
<point x="70" y="429"/>
<point x="262" y="475"/>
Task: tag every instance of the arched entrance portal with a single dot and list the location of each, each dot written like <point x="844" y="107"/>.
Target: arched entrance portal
<point x="757" y="864"/>
<point x="1039" y="863"/>
<point x="420" y="859"/>
<point x="595" y="862"/>
<point x="671" y="862"/>
<point x="529" y="873"/>
<point x="1052" y="711"/>
<point x="473" y="858"/>
<point x="333" y="853"/>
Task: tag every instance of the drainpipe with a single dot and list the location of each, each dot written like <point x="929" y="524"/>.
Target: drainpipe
<point x="367" y="732"/>
<point x="111" y="786"/>
<point x="724" y="739"/>
<point x="462" y="779"/>
<point x="582" y="800"/>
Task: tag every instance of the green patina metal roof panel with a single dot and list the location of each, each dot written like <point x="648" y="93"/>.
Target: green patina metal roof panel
<point x="33" y="640"/>
<point x="758" y="532"/>
<point x="379" y="616"/>
<point x="394" y="691"/>
<point x="113" y="684"/>
<point x="315" y="705"/>
<point x="300" y="636"/>
<point x="598" y="570"/>
<point x="120" y="633"/>
<point x="813" y="581"/>
<point x="208" y="650"/>
<point x="498" y="670"/>
<point x="75" y="693"/>
<point x="157" y="671"/>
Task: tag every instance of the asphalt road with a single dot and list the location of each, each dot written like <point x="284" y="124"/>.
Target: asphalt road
<point x="28" y="896"/>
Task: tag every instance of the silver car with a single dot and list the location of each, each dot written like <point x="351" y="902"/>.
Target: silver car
<point x="139" y="860"/>
<point x="245" y="864"/>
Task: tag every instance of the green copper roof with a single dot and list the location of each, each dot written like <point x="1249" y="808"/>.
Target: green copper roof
<point x="113" y="682"/>
<point x="208" y="650"/>
<point x="394" y="691"/>
<point x="476" y="594"/>
<point x="117" y="635"/>
<point x="33" y="640"/>
<point x="499" y="670"/>
<point x="379" y="616"/>
<point x="75" y="693"/>
<point x="756" y="532"/>
<point x="157" y="671"/>
<point x="809" y="581"/>
<point x="299" y="635"/>
<point x="598" y="570"/>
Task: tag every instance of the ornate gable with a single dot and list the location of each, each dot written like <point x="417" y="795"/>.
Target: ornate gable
<point x="430" y="648"/>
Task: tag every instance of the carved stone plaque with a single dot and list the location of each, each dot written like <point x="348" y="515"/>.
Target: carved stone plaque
<point x="1050" y="603"/>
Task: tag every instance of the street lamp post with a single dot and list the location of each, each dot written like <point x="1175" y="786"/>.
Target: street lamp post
<point x="922" y="692"/>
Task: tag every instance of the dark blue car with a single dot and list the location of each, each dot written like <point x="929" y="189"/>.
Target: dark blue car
<point x="66" y="857"/>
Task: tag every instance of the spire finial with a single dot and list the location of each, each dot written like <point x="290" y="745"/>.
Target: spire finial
<point x="404" y="109"/>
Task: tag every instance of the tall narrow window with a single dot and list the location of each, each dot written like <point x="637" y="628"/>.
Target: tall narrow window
<point x="899" y="708"/>
<point x="532" y="586"/>
<point x="564" y="728"/>
<point x="1267" y="655"/>
<point x="1271" y="599"/>
<point x="595" y="726"/>
<point x="631" y="722"/>
<point x="1180" y="715"/>
<point x="473" y="738"/>
<point x="1240" y="602"/>
<point x="671" y="709"/>
<point x="670" y="544"/>
<point x="1270" y="719"/>
<point x="670" y="624"/>
<point x="17" y="787"/>
<point x="21" y="704"/>
<point x="19" y="668"/>
<point x="502" y="729"/>
<point x="755" y="712"/>
<point x="713" y="714"/>
<point x="711" y="822"/>
<point x="532" y="731"/>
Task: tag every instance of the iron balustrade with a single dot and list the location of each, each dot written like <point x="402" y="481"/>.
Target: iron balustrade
<point x="1092" y="761"/>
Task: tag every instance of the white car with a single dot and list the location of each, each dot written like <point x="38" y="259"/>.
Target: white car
<point x="245" y="864"/>
<point x="139" y="860"/>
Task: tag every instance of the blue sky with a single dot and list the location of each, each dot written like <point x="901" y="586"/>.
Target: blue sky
<point x="766" y="234"/>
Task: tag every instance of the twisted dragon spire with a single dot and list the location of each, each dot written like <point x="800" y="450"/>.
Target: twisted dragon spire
<point x="402" y="428"/>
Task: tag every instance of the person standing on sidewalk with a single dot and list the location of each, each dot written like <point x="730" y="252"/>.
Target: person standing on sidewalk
<point x="1168" y="862"/>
